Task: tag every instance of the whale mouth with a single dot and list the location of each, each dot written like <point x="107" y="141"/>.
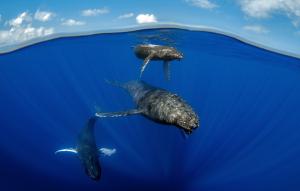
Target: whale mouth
<point x="185" y="126"/>
<point x="188" y="131"/>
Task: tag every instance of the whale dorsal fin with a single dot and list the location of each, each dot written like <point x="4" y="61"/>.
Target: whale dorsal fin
<point x="119" y="113"/>
<point x="71" y="150"/>
<point x="167" y="70"/>
<point x="146" y="61"/>
<point x="107" y="152"/>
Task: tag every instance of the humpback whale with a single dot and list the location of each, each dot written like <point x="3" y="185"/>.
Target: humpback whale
<point x="149" y="52"/>
<point x="87" y="150"/>
<point x="157" y="104"/>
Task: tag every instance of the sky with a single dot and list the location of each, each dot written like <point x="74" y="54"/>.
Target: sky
<point x="273" y="23"/>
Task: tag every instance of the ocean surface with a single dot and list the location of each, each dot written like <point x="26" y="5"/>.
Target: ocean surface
<point x="247" y="98"/>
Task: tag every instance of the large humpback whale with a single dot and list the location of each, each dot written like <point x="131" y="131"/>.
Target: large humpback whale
<point x="87" y="150"/>
<point x="149" y="52"/>
<point x="159" y="105"/>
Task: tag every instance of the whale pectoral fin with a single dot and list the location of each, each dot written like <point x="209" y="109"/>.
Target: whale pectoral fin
<point x="71" y="150"/>
<point x="167" y="70"/>
<point x="107" y="151"/>
<point x="119" y="114"/>
<point x="146" y="61"/>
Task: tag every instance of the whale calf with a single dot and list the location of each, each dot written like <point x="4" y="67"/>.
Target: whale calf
<point x="149" y="52"/>
<point x="157" y="104"/>
<point x="87" y="150"/>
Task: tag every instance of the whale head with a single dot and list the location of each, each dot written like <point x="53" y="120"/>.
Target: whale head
<point x="187" y="120"/>
<point x="171" y="53"/>
<point x="92" y="167"/>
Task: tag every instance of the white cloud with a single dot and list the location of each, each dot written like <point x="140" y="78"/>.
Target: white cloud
<point x="20" y="19"/>
<point x="21" y="29"/>
<point x="72" y="22"/>
<point x="265" y="8"/>
<point x="204" y="4"/>
<point x="146" y="18"/>
<point x="256" y="29"/>
<point x="29" y="32"/>
<point x="43" y="15"/>
<point x="126" y="16"/>
<point x="94" y="12"/>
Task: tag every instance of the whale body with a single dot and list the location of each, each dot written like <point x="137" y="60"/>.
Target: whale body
<point x="149" y="52"/>
<point x="87" y="150"/>
<point x="159" y="105"/>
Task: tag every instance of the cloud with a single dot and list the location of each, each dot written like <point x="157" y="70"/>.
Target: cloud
<point x="145" y="18"/>
<point x="94" y="12"/>
<point x="20" y="19"/>
<point x="126" y="16"/>
<point x="256" y="29"/>
<point x="204" y="4"/>
<point x="43" y="15"/>
<point x="21" y="29"/>
<point x="72" y="22"/>
<point x="266" y="8"/>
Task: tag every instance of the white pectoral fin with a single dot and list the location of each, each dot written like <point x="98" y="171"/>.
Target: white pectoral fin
<point x="71" y="150"/>
<point x="146" y="61"/>
<point x="107" y="151"/>
<point x="118" y="114"/>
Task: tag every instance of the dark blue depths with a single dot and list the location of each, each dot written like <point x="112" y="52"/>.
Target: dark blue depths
<point x="247" y="99"/>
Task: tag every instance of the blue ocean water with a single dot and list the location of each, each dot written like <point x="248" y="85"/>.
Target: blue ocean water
<point x="247" y="99"/>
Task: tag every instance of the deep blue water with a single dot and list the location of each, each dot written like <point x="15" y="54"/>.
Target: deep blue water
<point x="248" y="100"/>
